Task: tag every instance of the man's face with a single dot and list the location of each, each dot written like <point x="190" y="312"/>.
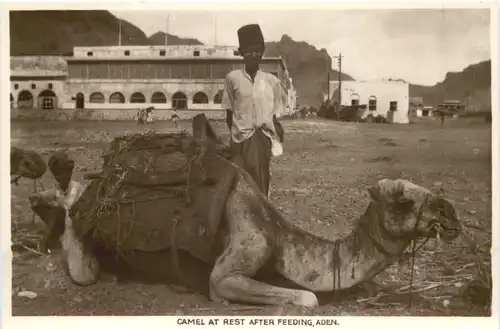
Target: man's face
<point x="63" y="178"/>
<point x="252" y="55"/>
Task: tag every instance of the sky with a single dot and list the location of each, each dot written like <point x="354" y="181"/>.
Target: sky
<point x="417" y="45"/>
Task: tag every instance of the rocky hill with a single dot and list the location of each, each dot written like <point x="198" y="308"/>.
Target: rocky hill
<point x="472" y="86"/>
<point x="57" y="32"/>
<point x="158" y="39"/>
<point x="307" y="66"/>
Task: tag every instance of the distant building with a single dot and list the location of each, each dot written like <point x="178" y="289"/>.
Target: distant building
<point x="426" y="111"/>
<point x="416" y="106"/>
<point x="450" y="108"/>
<point x="114" y="81"/>
<point x="37" y="83"/>
<point x="389" y="98"/>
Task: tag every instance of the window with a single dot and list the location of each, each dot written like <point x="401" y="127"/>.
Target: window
<point x="48" y="99"/>
<point x="196" y="53"/>
<point x="137" y="98"/>
<point x="179" y="100"/>
<point x="33" y="86"/>
<point x="16" y="86"/>
<point x="354" y="99"/>
<point x="48" y="103"/>
<point x="158" y="98"/>
<point x="218" y="97"/>
<point x="96" y="98"/>
<point x="116" y="98"/>
<point x="393" y="106"/>
<point x="200" y="98"/>
<point x="236" y="53"/>
<point x="127" y="52"/>
<point x="89" y="53"/>
<point x="372" y="103"/>
<point x="50" y="86"/>
<point x="162" y="52"/>
<point x="25" y="99"/>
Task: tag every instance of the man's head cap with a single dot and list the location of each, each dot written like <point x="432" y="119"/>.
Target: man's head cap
<point x="60" y="162"/>
<point x="250" y="35"/>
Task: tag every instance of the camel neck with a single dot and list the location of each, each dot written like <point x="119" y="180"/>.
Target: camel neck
<point x="319" y="264"/>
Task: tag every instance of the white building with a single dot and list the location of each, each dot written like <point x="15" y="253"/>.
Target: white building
<point x="389" y="98"/>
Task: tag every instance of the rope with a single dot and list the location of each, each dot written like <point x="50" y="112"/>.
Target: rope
<point x="108" y="199"/>
<point x="414" y="250"/>
<point x="336" y="265"/>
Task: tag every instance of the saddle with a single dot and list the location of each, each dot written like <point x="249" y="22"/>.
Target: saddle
<point x="158" y="191"/>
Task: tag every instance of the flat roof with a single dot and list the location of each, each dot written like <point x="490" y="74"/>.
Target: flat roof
<point x="165" y="59"/>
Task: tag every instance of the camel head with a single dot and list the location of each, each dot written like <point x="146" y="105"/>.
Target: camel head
<point x="410" y="211"/>
<point x="26" y="163"/>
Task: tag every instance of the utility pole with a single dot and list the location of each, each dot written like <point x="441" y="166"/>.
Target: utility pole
<point x="215" y="28"/>
<point x="339" y="58"/>
<point x="119" y="32"/>
<point x="328" y="68"/>
<point x="166" y="32"/>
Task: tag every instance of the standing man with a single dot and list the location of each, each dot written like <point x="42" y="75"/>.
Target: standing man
<point x="252" y="98"/>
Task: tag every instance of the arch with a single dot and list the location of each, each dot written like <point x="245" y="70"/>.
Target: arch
<point x="200" y="98"/>
<point x="218" y="97"/>
<point x="47" y="93"/>
<point x="117" y="98"/>
<point x="354" y="99"/>
<point x="372" y="103"/>
<point x="47" y="100"/>
<point x="179" y="100"/>
<point x="96" y="97"/>
<point x="158" y="98"/>
<point x="79" y="101"/>
<point x="137" y="97"/>
<point x="25" y="99"/>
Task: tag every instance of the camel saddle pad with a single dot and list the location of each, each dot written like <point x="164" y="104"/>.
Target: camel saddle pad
<point x="163" y="189"/>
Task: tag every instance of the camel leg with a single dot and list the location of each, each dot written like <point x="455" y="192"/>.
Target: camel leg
<point x="248" y="251"/>
<point x="82" y="265"/>
<point x="231" y="280"/>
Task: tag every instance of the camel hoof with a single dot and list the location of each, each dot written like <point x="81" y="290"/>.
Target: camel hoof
<point x="307" y="299"/>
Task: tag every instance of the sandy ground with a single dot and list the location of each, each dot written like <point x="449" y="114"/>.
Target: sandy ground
<point x="320" y="181"/>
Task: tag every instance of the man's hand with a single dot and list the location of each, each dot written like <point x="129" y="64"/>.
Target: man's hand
<point x="279" y="129"/>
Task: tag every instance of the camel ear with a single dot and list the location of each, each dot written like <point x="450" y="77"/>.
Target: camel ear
<point x="375" y="194"/>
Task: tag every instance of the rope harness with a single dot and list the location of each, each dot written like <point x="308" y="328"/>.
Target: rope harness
<point x="110" y="202"/>
<point x="383" y="250"/>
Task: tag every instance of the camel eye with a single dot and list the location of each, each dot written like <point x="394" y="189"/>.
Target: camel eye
<point x="442" y="213"/>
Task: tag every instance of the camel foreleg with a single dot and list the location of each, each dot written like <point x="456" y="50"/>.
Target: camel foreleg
<point x="231" y="280"/>
<point x="246" y="253"/>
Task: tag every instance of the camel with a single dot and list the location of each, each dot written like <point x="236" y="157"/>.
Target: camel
<point x="26" y="163"/>
<point x="255" y="240"/>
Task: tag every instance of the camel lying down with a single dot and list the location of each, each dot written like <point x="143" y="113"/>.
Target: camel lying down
<point x="257" y="237"/>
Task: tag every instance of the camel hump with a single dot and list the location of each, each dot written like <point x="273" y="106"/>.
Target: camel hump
<point x="157" y="191"/>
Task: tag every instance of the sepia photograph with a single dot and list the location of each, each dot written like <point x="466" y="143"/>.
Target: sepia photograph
<point x="239" y="161"/>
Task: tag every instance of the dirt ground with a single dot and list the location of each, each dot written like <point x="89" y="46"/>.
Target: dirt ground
<point x="320" y="181"/>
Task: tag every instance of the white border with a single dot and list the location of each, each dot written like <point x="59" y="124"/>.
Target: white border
<point x="168" y="322"/>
